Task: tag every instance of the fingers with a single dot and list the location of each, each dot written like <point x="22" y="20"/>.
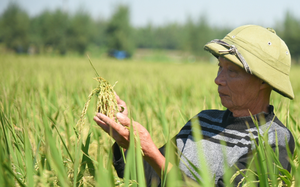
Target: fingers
<point x="115" y="130"/>
<point x="105" y="123"/>
<point x="123" y="119"/>
<point x="121" y="105"/>
<point x="127" y="122"/>
<point x="121" y="133"/>
<point x="101" y="123"/>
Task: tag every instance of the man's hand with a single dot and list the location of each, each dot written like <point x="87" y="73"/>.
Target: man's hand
<point x="121" y="105"/>
<point x="120" y="133"/>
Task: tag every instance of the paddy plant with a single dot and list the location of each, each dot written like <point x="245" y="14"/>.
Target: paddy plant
<point x="42" y="100"/>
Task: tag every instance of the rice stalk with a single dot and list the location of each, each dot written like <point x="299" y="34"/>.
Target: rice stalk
<point x="106" y="104"/>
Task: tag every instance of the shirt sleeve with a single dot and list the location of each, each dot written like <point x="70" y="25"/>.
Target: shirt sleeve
<point x="151" y="176"/>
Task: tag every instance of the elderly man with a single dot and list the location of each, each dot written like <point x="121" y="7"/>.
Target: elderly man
<point x="253" y="61"/>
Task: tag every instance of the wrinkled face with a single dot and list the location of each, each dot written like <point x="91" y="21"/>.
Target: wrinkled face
<point x="237" y="89"/>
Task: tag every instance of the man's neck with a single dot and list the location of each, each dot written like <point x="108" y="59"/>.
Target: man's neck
<point x="249" y="112"/>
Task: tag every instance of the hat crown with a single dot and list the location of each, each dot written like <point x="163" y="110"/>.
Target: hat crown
<point x="263" y="43"/>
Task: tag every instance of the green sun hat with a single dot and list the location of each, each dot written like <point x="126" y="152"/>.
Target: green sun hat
<point x="260" y="52"/>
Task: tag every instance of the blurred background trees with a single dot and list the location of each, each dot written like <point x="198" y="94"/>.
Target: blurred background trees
<point x="119" y="32"/>
<point x="48" y="31"/>
<point x="81" y="31"/>
<point x="289" y="30"/>
<point x="58" y="32"/>
<point x="14" y="28"/>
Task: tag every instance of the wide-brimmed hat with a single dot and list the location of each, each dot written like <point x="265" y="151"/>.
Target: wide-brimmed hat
<point x="260" y="52"/>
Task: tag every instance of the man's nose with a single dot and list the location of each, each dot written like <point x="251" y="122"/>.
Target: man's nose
<point x="220" y="79"/>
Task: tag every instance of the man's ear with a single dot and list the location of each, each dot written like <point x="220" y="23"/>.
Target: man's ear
<point x="265" y="85"/>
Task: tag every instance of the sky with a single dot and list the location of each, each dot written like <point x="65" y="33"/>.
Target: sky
<point x="231" y="13"/>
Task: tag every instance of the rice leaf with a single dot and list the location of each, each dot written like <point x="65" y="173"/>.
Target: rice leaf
<point x="29" y="160"/>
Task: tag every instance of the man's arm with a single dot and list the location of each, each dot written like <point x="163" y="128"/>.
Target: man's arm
<point x="121" y="134"/>
<point x="151" y="177"/>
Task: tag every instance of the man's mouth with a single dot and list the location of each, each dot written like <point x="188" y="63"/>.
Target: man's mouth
<point x="221" y="94"/>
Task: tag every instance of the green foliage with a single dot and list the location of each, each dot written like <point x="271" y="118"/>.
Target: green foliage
<point x="169" y="36"/>
<point x="58" y="32"/>
<point x="145" y="37"/>
<point x="199" y="34"/>
<point x="41" y="101"/>
<point x="119" y="31"/>
<point x="49" y="31"/>
<point x="80" y="32"/>
<point x="100" y="29"/>
<point x="14" y="24"/>
<point x="289" y="30"/>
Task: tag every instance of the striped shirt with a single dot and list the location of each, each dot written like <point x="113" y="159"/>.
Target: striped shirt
<point x="238" y="134"/>
<point x="216" y="127"/>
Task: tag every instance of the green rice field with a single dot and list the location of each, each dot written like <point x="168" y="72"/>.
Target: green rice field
<point x="42" y="97"/>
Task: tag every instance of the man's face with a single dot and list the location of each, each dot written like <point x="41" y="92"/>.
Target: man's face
<point x="237" y="89"/>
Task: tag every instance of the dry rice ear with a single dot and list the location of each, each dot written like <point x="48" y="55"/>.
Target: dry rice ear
<point x="106" y="103"/>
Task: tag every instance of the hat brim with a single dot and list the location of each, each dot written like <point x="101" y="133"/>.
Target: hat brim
<point x="275" y="78"/>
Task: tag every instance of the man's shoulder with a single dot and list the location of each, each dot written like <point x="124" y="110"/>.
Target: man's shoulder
<point x="212" y="111"/>
<point x="276" y="130"/>
<point x="214" y="115"/>
<point x="207" y="116"/>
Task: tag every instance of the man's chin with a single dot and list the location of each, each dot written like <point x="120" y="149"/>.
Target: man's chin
<point x="225" y="103"/>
